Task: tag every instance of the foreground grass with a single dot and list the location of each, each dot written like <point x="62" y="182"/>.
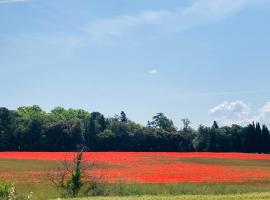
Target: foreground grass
<point x="44" y="192"/>
<point x="124" y="189"/>
<point x="40" y="191"/>
<point x="254" y="196"/>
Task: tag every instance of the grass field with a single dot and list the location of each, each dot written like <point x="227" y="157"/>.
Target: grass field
<point x="255" y="196"/>
<point x="154" y="174"/>
<point x="42" y="191"/>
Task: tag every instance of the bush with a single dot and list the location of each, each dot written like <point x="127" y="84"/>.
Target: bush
<point x="8" y="192"/>
<point x="95" y="188"/>
<point x="4" y="190"/>
<point x="69" y="178"/>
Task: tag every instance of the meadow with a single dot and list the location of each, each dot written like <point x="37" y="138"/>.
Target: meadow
<point x="140" y="174"/>
<point x="255" y="196"/>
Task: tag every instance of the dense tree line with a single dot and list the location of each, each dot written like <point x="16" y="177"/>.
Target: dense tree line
<point x="32" y="129"/>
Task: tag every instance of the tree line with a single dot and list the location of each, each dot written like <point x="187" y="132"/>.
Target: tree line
<point x="32" y="129"/>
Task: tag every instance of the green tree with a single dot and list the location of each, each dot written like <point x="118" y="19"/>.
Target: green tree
<point x="123" y="117"/>
<point x="186" y="123"/>
<point x="202" y="140"/>
<point x="94" y="124"/>
<point x="215" y="125"/>
<point x="162" y="122"/>
<point x="265" y="140"/>
<point x="5" y="129"/>
<point x="258" y="137"/>
<point x="250" y="138"/>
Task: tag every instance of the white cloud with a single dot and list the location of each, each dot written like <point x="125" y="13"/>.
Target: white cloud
<point x="11" y="1"/>
<point x="200" y="12"/>
<point x="154" y="71"/>
<point x="266" y="108"/>
<point x="228" y="108"/>
<point x="263" y="114"/>
<point x="236" y="112"/>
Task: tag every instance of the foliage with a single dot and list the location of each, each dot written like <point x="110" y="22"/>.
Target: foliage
<point x="75" y="183"/>
<point x="4" y="190"/>
<point x="8" y="192"/>
<point x="32" y="129"/>
<point x="69" y="177"/>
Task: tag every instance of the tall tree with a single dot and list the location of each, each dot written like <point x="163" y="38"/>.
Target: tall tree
<point x="123" y="117"/>
<point x="257" y="141"/>
<point x="162" y="122"/>
<point x="186" y="123"/>
<point x="250" y="138"/>
<point x="215" y="125"/>
<point x="265" y="140"/>
<point x="5" y="132"/>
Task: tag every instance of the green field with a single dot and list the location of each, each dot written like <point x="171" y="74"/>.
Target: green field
<point x="255" y="196"/>
<point x="45" y="191"/>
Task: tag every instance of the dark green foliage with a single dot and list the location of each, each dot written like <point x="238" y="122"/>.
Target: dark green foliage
<point x="32" y="129"/>
<point x="215" y="125"/>
<point x="123" y="117"/>
<point x="265" y="138"/>
<point x="5" y="129"/>
<point x="94" y="124"/>
<point x="162" y="122"/>
<point x="63" y="136"/>
<point x="202" y="141"/>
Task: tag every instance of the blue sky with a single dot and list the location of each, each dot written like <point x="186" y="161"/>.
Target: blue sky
<point x="202" y="59"/>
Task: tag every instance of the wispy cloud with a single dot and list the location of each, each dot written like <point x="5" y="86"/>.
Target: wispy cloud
<point x="154" y="71"/>
<point x="199" y="12"/>
<point x="12" y="1"/>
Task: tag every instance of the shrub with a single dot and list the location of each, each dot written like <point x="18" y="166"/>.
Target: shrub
<point x="4" y="190"/>
<point x="95" y="188"/>
<point x="75" y="183"/>
<point x="69" y="177"/>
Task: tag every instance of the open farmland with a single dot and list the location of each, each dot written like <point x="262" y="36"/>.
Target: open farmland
<point x="145" y="173"/>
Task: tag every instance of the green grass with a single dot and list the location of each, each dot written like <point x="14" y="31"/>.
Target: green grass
<point x="44" y="192"/>
<point x="16" y="165"/>
<point x="228" y="162"/>
<point x="124" y="189"/>
<point x="40" y="191"/>
<point x="255" y="196"/>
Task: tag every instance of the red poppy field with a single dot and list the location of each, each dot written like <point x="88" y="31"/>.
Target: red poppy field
<point x="26" y="167"/>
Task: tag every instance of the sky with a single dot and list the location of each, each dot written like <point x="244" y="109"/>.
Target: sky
<point x="199" y="59"/>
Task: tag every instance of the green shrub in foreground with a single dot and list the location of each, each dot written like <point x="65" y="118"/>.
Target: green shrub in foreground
<point x="8" y="192"/>
<point x="4" y="190"/>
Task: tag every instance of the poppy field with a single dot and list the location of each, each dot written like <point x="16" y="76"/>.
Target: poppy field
<point x="173" y="173"/>
<point x="144" y="167"/>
